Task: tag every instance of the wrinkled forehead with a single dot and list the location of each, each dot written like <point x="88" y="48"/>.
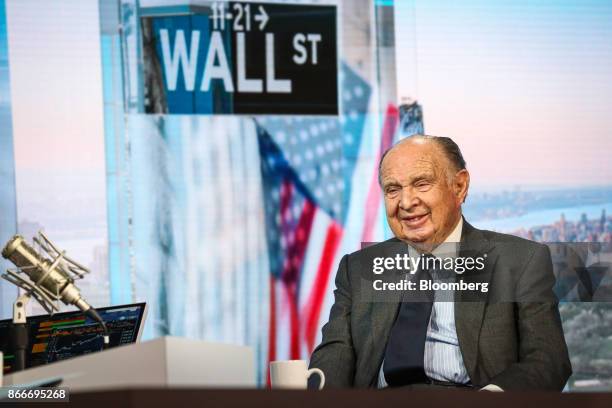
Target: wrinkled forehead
<point x="409" y="159"/>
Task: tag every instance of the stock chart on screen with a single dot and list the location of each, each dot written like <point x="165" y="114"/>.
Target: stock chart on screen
<point x="71" y="334"/>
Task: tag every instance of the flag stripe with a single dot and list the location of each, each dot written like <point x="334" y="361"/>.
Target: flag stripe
<point x="332" y="239"/>
<point x="374" y="193"/>
<point x="294" y="340"/>
<point x="283" y="321"/>
<point x="272" y="327"/>
<point x="316" y="243"/>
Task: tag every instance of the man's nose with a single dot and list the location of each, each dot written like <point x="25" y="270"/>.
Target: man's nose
<point x="407" y="199"/>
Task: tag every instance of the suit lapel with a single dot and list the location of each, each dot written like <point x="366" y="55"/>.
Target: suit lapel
<point x="382" y="317"/>
<point x="383" y="314"/>
<point x="470" y="307"/>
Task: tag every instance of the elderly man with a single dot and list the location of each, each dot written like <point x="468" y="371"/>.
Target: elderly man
<point x="508" y="338"/>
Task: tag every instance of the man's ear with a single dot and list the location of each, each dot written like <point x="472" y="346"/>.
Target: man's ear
<point x="461" y="185"/>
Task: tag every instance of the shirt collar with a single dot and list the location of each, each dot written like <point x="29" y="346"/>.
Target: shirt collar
<point x="455" y="236"/>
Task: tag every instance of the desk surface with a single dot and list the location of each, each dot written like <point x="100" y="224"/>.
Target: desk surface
<point x="177" y="398"/>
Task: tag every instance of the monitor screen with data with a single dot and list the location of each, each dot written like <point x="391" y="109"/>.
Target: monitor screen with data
<point x="71" y="334"/>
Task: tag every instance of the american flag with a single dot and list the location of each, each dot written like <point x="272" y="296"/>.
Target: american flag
<point x="306" y="167"/>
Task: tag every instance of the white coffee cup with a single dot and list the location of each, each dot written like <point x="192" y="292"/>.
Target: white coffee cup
<point x="293" y="374"/>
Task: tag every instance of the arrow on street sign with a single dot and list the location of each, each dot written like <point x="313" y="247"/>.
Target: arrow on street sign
<point x="262" y="17"/>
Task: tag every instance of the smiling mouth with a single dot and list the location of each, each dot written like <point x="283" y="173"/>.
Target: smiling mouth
<point x="414" y="220"/>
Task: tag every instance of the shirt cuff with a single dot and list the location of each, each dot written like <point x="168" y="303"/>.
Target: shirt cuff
<point x="492" y="387"/>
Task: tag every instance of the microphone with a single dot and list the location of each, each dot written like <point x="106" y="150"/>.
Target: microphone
<point x="48" y="280"/>
<point x="41" y="271"/>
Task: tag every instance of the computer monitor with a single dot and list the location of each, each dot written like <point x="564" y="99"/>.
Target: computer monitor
<point x="70" y="334"/>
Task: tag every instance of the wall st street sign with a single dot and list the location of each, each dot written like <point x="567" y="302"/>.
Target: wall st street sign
<point x="241" y="58"/>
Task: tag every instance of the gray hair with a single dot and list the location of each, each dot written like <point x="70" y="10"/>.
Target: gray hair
<point x="449" y="147"/>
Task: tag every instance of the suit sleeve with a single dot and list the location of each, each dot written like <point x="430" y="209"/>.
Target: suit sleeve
<point x="335" y="355"/>
<point x="543" y="361"/>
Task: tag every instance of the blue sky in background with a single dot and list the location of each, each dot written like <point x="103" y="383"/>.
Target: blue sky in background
<point x="524" y="87"/>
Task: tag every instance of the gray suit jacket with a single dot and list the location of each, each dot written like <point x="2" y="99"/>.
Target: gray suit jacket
<point x="510" y="336"/>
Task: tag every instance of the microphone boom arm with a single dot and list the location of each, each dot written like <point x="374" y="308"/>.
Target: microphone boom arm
<point x="48" y="300"/>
